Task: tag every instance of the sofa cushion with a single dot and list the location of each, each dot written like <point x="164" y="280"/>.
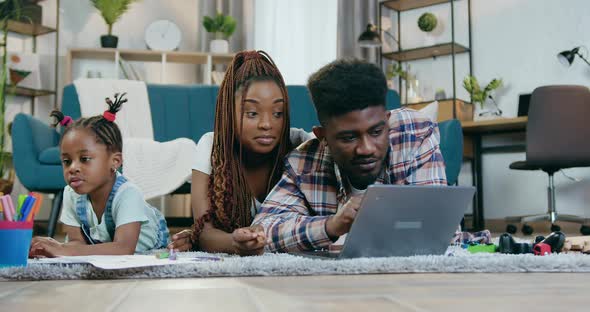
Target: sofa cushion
<point x="182" y="111"/>
<point x="50" y="156"/>
<point x="451" y="148"/>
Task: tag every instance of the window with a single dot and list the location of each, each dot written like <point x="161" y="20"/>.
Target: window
<point x="299" y="35"/>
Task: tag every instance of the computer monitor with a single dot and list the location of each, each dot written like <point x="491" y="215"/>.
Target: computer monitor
<point x="523" y="104"/>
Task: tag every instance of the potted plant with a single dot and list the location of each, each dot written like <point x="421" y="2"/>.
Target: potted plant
<point x="222" y="27"/>
<point x="394" y="70"/>
<point x="427" y="23"/>
<point x="409" y="84"/>
<point x="9" y="9"/>
<point x="111" y="11"/>
<point x="481" y="95"/>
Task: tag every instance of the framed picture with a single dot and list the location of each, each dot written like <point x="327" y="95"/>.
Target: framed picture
<point x="24" y="70"/>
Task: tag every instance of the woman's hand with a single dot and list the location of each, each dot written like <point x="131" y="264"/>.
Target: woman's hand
<point x="249" y="241"/>
<point x="181" y="241"/>
<point x="46" y="247"/>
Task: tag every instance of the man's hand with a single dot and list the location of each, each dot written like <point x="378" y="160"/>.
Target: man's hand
<point x="181" y="241"/>
<point x="341" y="222"/>
<point x="46" y="247"/>
<point x="249" y="241"/>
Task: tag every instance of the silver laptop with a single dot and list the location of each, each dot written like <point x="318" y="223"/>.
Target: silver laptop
<point x="400" y="221"/>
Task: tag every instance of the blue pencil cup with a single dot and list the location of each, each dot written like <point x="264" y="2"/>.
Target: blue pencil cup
<point x="15" y="240"/>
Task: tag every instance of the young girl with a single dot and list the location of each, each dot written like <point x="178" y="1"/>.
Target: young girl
<point x="103" y="213"/>
<point x="242" y="159"/>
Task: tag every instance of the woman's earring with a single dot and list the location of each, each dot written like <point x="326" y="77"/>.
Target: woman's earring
<point x="113" y="169"/>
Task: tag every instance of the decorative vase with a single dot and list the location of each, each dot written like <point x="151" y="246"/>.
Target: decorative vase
<point x="440" y="95"/>
<point x="429" y="39"/>
<point x="489" y="110"/>
<point x="109" y="41"/>
<point x="219" y="46"/>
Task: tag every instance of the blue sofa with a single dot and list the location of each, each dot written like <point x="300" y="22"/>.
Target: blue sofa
<point x="177" y="111"/>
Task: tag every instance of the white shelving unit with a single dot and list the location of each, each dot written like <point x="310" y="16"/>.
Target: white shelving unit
<point x="162" y="57"/>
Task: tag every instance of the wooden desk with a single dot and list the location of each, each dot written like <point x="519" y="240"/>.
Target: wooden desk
<point x="473" y="131"/>
<point x="494" y="126"/>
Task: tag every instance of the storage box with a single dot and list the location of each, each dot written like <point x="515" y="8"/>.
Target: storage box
<point x="463" y="110"/>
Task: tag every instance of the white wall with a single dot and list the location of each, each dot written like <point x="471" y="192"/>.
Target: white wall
<point x="516" y="40"/>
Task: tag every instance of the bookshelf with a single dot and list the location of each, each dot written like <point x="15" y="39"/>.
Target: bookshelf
<point x="452" y="106"/>
<point x="163" y="57"/>
<point x="34" y="30"/>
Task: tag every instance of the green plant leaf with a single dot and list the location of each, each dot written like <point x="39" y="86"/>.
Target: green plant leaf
<point x="394" y="70"/>
<point x="220" y="23"/>
<point x="9" y="9"/>
<point x="111" y="10"/>
<point x="219" y="20"/>
<point x="229" y="26"/>
<point x="208" y="23"/>
<point x="494" y="84"/>
<point x="478" y="95"/>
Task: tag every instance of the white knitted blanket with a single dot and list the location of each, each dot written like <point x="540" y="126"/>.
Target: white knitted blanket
<point x="156" y="168"/>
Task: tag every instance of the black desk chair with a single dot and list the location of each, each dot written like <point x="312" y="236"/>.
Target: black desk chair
<point x="556" y="138"/>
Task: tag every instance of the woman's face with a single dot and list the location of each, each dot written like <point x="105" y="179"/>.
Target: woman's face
<point x="262" y="118"/>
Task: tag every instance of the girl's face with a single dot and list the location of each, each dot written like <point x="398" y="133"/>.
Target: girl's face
<point x="263" y="117"/>
<point x="87" y="164"/>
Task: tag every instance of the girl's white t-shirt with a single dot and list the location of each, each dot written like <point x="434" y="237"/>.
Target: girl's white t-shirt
<point x="205" y="147"/>
<point x="128" y="206"/>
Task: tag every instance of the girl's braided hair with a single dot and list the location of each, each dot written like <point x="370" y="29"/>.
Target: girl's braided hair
<point x="103" y="126"/>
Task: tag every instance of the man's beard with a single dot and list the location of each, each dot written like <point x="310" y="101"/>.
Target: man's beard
<point x="362" y="181"/>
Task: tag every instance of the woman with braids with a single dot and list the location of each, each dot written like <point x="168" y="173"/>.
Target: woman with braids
<point x="103" y="213"/>
<point x="241" y="160"/>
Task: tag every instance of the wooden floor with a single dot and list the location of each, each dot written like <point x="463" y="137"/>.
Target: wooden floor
<point x="387" y="292"/>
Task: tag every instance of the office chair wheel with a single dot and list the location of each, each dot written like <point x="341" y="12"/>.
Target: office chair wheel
<point x="585" y="230"/>
<point x="511" y="228"/>
<point x="527" y="229"/>
<point x="555" y="228"/>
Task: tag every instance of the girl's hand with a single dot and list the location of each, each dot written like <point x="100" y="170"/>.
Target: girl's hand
<point x="46" y="247"/>
<point x="249" y="241"/>
<point x="181" y="241"/>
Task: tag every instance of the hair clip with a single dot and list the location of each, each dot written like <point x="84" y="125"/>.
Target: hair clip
<point x="109" y="116"/>
<point x="66" y="121"/>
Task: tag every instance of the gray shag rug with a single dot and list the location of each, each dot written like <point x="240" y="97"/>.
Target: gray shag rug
<point x="291" y="265"/>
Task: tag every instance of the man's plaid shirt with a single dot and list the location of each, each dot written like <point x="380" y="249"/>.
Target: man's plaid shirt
<point x="311" y="189"/>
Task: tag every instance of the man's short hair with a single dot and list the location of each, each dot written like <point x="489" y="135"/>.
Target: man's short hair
<point x="346" y="85"/>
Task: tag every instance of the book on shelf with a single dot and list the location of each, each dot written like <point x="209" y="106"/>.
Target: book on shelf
<point x="128" y="70"/>
<point x="217" y="77"/>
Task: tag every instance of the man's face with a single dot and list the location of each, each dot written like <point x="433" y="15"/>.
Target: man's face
<point x="358" y="142"/>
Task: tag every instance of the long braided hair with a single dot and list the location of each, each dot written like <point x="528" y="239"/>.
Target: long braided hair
<point x="103" y="126"/>
<point x="229" y="196"/>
